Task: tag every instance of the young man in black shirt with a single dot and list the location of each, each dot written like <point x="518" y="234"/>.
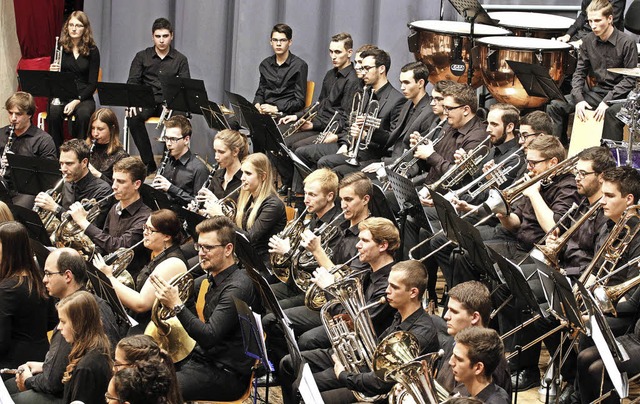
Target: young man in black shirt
<point x="283" y="76"/>
<point x="146" y="68"/>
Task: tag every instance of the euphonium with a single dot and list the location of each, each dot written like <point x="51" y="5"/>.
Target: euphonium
<point x="315" y="297"/>
<point x="281" y="263"/>
<point x="469" y="165"/>
<point x="49" y="219"/>
<point x="308" y="116"/>
<point x="165" y="328"/>
<point x="7" y="150"/>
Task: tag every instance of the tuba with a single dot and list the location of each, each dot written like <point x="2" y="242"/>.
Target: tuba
<point x="165" y="328"/>
<point x="281" y="263"/>
<point x="469" y="165"/>
<point x="48" y="218"/>
<point x="314" y="296"/>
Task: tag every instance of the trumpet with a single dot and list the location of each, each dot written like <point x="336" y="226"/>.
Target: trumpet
<point x="164" y="115"/>
<point x="308" y="116"/>
<point x="281" y="263"/>
<point x="57" y="60"/>
<point x="331" y="129"/>
<point x="467" y="166"/>
<point x="370" y="123"/>
<point x="7" y="150"/>
<point x="404" y="166"/>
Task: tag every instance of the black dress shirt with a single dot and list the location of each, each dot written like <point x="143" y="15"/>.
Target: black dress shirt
<point x="346" y="246"/>
<point x="581" y="246"/>
<point x="53" y="367"/>
<point x="89" y="379"/>
<point x="492" y="394"/>
<point x="285" y="85"/>
<point x="147" y="67"/>
<point x="374" y="285"/>
<point x="271" y="219"/>
<point x="217" y="181"/>
<point x="88" y="187"/>
<point x="85" y="70"/>
<point x="34" y="142"/>
<point x="421" y="326"/>
<point x="596" y="56"/>
<point x="104" y="162"/>
<point x="219" y="339"/>
<point x="187" y="175"/>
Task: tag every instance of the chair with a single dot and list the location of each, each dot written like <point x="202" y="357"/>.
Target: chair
<point x="291" y="213"/>
<point x="311" y="86"/>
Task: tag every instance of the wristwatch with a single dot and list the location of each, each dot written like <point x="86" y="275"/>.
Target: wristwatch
<point x="178" y="308"/>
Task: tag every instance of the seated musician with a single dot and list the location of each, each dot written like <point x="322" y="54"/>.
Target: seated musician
<point x="581" y="26"/>
<point x="162" y="235"/>
<point x="601" y="49"/>
<point x="283" y="76"/>
<point x="259" y="210"/>
<point x="476" y="354"/>
<point x="123" y="227"/>
<point x="27" y="140"/>
<point x="143" y="382"/>
<point x="79" y="183"/>
<point x="320" y="191"/>
<point x="104" y="143"/>
<point x="184" y="174"/>
<point x="218" y="368"/>
<point x="145" y="69"/>
<point x="406" y="285"/>
<point x="469" y="305"/>
<point x="532" y="125"/>
<point x="65" y="273"/>
<point x="376" y="64"/>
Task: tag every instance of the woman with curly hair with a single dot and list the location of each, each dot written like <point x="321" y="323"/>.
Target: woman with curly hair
<point x="87" y="375"/>
<point x="144" y="382"/>
<point x="81" y="57"/>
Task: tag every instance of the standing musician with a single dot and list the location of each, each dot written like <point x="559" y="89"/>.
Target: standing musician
<point x="259" y="210"/>
<point x="375" y="65"/>
<point x="283" y="76"/>
<point x="125" y="220"/>
<point x="476" y="354"/>
<point x="79" y="183"/>
<point x="406" y="285"/>
<point x="162" y="236"/>
<point x="184" y="174"/>
<point x="146" y="68"/>
<point x="218" y="368"/>
<point x="104" y="143"/>
<point x="601" y="49"/>
<point x="81" y="57"/>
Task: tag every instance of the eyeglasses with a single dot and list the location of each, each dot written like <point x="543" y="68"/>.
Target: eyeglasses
<point x="582" y="173"/>
<point x="367" y="68"/>
<point x="173" y="139"/>
<point x="448" y="108"/>
<point x="147" y="229"/>
<point x="525" y="135"/>
<point x="533" y="163"/>
<point x="206" y="248"/>
<point x="108" y="398"/>
<point x="78" y="26"/>
<point x="276" y="40"/>
<point x="49" y="273"/>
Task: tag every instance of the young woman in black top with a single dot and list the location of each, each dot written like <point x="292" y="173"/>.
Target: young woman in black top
<point x="104" y="141"/>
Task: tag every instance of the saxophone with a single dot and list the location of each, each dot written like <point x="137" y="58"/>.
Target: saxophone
<point x="7" y="150"/>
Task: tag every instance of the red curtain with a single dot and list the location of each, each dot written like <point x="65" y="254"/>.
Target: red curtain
<point x="38" y="23"/>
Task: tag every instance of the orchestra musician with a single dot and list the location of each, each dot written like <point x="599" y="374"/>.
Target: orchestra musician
<point x="283" y="76"/>
<point x="81" y="57"/>
<point x="146" y="68"/>
<point x="532" y="125"/>
<point x="162" y="235"/>
<point x="406" y="284"/>
<point x="260" y="212"/>
<point x="218" y="368"/>
<point x="184" y="174"/>
<point x="143" y="382"/>
<point x="23" y="299"/>
<point x="581" y="27"/>
<point x="104" y="143"/>
<point x="65" y="273"/>
<point x="126" y="218"/>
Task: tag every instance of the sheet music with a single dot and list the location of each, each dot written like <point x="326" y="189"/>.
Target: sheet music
<point x="619" y="380"/>
<point x="308" y="387"/>
<point x="263" y="346"/>
<point x="5" y="398"/>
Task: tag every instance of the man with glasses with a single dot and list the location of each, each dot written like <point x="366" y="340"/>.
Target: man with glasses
<point x="184" y="174"/>
<point x="146" y="68"/>
<point x="218" y="369"/>
<point x="283" y="76"/>
<point x="532" y="125"/>
<point x="41" y="382"/>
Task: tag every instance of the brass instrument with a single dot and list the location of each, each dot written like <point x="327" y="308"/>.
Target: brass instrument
<point x="370" y="123"/>
<point x="469" y="165"/>
<point x="228" y="205"/>
<point x="119" y="261"/>
<point x="6" y="371"/>
<point x="164" y="115"/>
<point x="331" y="129"/>
<point x="402" y="167"/>
<point x="7" y="150"/>
<point x="549" y="255"/>
<point x="304" y="262"/>
<point x="309" y="115"/>
<point x="357" y="106"/>
<point x="354" y="348"/>
<point x="315" y="297"/>
<point x="194" y="205"/>
<point x="396" y="358"/>
<point x="91" y="148"/>
<point x="57" y="60"/>
<point x="165" y="328"/>
<point x="49" y="219"/>
<point x="281" y="263"/>
<point x="608" y="296"/>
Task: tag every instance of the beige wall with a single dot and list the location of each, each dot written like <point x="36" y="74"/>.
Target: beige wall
<point x="10" y="51"/>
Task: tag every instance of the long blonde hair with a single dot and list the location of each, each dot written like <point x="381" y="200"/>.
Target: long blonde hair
<point x="262" y="167"/>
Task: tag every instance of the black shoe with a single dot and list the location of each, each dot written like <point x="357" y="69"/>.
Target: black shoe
<point x="262" y="381"/>
<point x="526" y="379"/>
<point x="568" y="395"/>
<point x="283" y="190"/>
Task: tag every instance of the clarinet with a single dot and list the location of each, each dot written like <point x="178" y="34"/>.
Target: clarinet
<point x="163" y="164"/>
<point x="7" y="150"/>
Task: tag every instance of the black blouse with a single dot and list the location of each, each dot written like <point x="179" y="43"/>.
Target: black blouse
<point x="85" y="69"/>
<point x="271" y="219"/>
<point x="217" y="182"/>
<point x="89" y="379"/>
<point x="104" y="162"/>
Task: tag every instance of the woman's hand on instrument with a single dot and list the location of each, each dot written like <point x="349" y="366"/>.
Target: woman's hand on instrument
<point x="600" y="111"/>
<point x="424" y="151"/>
<point x="79" y="214"/>
<point x="581" y="107"/>
<point x="71" y="106"/>
<point x="310" y="241"/>
<point x="45" y="201"/>
<point x="286" y="119"/>
<point x="459" y="155"/>
<point x="372" y="168"/>
<point x="279" y="245"/>
<point x="98" y="262"/>
<point x="165" y="293"/>
<point x="161" y="183"/>
<point x="322" y="277"/>
<point x="213" y="208"/>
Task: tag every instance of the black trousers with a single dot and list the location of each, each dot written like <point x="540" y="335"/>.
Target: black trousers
<point x="29" y="396"/>
<point x="199" y="380"/>
<point x="141" y="136"/>
<point x="79" y="128"/>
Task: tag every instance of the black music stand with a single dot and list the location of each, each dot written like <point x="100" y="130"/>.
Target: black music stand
<point x="214" y="117"/>
<point x="191" y="219"/>
<point x="379" y="205"/>
<point x="104" y="289"/>
<point x="44" y="83"/>
<point x="535" y="80"/>
<point x="41" y="252"/>
<point x="446" y="212"/>
<point x="559" y="294"/>
<point x="31" y="220"/>
<point x="32" y="175"/>
<point x="405" y="193"/>
<point x="183" y="94"/>
<point x="154" y="198"/>
<point x="126" y="95"/>
<point x="241" y="105"/>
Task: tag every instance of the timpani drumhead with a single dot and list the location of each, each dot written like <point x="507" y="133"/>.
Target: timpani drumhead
<point x="458" y="27"/>
<point x="524" y="43"/>
<point x="531" y="21"/>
